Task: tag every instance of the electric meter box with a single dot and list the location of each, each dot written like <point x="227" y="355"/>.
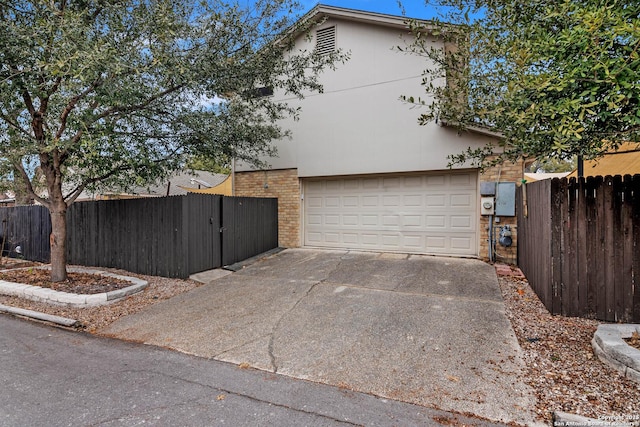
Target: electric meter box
<point x="506" y="199"/>
<point x="486" y="206"/>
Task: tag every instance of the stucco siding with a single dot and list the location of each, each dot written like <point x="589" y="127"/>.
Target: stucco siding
<point x="359" y="125"/>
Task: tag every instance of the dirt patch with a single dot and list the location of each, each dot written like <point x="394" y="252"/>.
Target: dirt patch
<point x="77" y="283"/>
<point x="634" y="341"/>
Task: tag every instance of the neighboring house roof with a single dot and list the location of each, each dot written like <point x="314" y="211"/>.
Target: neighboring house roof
<point x="624" y="161"/>
<point x="178" y="183"/>
<point x="225" y="188"/>
<point x="533" y="177"/>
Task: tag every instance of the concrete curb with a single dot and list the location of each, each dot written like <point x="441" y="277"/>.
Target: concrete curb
<point x="58" y="320"/>
<point x="242" y="264"/>
<point x="36" y="293"/>
<point x="609" y="345"/>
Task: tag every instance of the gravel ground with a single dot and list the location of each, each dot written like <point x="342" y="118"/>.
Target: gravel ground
<point x="94" y="318"/>
<point x="562" y="369"/>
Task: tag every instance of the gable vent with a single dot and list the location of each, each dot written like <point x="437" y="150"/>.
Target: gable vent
<point x="326" y="40"/>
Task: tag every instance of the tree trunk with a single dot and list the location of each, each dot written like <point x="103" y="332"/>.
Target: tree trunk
<point x="58" y="241"/>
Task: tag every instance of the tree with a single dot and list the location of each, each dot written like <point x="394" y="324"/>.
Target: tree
<point x="556" y="78"/>
<point x="115" y="93"/>
<point x="552" y="165"/>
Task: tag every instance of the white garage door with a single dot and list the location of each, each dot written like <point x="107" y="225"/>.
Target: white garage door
<point x="426" y="213"/>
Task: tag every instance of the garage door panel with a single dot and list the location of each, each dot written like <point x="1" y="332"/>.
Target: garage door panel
<point x="370" y="201"/>
<point x="435" y="180"/>
<point x="427" y="213"/>
<point x="314" y="238"/>
<point x="370" y="183"/>
<point x="436" y="221"/>
<point x="436" y="200"/>
<point x="331" y="219"/>
<point x="412" y="221"/>
<point x="370" y="220"/>
<point x="436" y="243"/>
<point x="413" y="200"/>
<point x="314" y="202"/>
<point x="350" y="202"/>
<point x="351" y="184"/>
<point x="461" y="243"/>
<point x="314" y="219"/>
<point x="461" y="200"/>
<point x="462" y="180"/>
<point x="462" y="222"/>
<point x="391" y="201"/>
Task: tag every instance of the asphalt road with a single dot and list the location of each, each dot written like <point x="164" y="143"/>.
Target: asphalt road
<point x="54" y="377"/>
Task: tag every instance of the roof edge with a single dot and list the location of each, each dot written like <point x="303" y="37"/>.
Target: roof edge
<point x="475" y="129"/>
<point x="396" y="21"/>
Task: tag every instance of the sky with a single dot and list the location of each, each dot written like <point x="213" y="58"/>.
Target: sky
<point x="414" y="8"/>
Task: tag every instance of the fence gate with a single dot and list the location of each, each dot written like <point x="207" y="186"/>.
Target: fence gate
<point x="204" y="239"/>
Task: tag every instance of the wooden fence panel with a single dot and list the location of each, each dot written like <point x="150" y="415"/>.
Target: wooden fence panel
<point x="625" y="294"/>
<point x="592" y="265"/>
<point x="558" y="205"/>
<point x="580" y="220"/>
<point x="589" y="256"/>
<point x="139" y="235"/>
<point x="250" y="227"/>
<point x="534" y="237"/>
<point x="28" y="227"/>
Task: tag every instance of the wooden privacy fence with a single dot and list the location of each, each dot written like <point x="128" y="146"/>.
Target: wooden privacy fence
<point x="169" y="236"/>
<point x="578" y="245"/>
<point x="26" y="229"/>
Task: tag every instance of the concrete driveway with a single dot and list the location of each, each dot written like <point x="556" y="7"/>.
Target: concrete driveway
<point x="420" y="329"/>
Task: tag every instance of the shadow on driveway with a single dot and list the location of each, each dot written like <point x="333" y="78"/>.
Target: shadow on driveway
<point x="426" y="330"/>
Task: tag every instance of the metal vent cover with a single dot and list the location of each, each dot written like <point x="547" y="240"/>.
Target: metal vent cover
<point x="326" y="40"/>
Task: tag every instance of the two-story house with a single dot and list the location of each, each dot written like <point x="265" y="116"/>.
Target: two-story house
<point x="359" y="172"/>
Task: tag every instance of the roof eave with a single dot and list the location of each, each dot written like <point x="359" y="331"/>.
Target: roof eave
<point x="482" y="130"/>
<point x="321" y="11"/>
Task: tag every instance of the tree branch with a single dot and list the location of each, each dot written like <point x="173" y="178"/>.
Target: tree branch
<point x="25" y="178"/>
<point x="26" y="97"/>
<point x="14" y="125"/>
<point x="71" y="105"/>
<point x="130" y="108"/>
<point x="75" y="193"/>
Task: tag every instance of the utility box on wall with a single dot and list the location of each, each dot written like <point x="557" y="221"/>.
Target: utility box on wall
<point x="487" y="188"/>
<point x="487" y="206"/>
<point x="505" y="199"/>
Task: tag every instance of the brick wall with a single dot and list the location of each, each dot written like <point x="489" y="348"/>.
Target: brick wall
<point x="285" y="186"/>
<point x="507" y="172"/>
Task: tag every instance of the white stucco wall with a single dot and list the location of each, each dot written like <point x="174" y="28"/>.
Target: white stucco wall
<point x="359" y="125"/>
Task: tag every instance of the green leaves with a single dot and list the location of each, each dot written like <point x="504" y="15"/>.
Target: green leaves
<point x="111" y="93"/>
<point x="554" y="78"/>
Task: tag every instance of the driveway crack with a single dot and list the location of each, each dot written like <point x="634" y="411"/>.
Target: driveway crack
<point x="272" y="357"/>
